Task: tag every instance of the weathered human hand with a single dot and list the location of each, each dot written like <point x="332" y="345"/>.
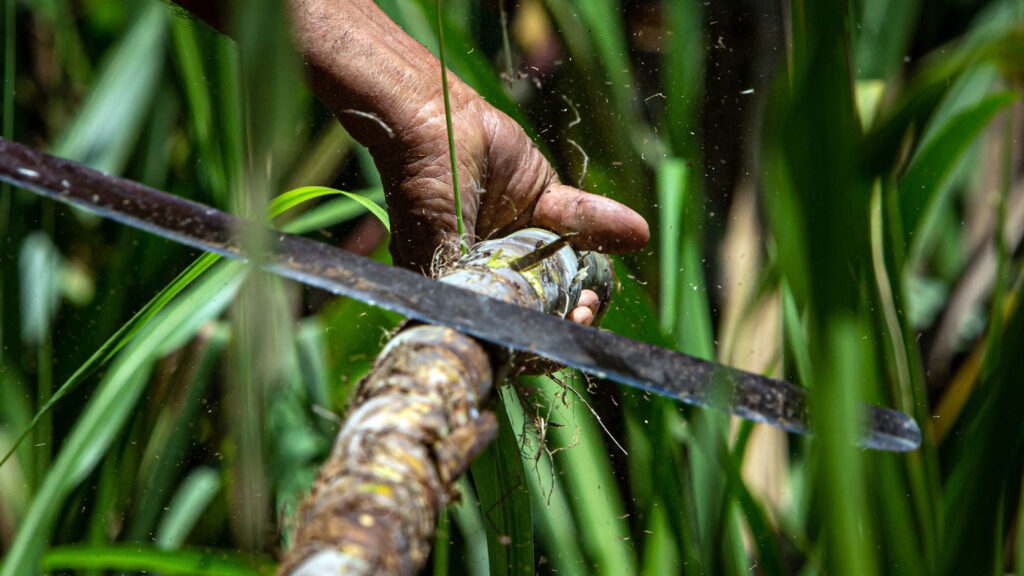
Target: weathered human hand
<point x="385" y="88"/>
<point x="505" y="183"/>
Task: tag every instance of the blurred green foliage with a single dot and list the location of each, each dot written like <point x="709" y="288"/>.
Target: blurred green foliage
<point x="836" y="192"/>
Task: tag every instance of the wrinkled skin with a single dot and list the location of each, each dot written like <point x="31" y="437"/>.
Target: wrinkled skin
<point x="505" y="183"/>
<point x="385" y="88"/>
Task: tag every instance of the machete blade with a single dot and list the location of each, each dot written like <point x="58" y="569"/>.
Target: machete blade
<point x="600" y="353"/>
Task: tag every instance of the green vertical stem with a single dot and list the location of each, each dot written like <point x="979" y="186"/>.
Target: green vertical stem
<point x="1002" y="250"/>
<point x="671" y="194"/>
<point x="268" y="109"/>
<point x="451" y="135"/>
<point x="8" y="132"/>
<point x="44" y="389"/>
<point x="44" y="367"/>
<point x="1018" y="564"/>
<point x="442" y="544"/>
<point x="505" y="44"/>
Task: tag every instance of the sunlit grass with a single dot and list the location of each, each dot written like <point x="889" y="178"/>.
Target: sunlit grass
<point x="849" y="272"/>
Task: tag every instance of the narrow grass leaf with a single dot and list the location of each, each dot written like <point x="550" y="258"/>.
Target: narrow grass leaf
<point x="604" y="22"/>
<point x="141" y="558"/>
<point x="501" y="485"/>
<point x="107" y="410"/>
<point x="842" y="490"/>
<point x="796" y="340"/>
<point x="884" y="30"/>
<point x="119" y="339"/>
<point x="110" y="121"/>
<point x="986" y="458"/>
<point x="588" y="476"/>
<point x="693" y="334"/>
<point x="456" y="191"/>
<point x="683" y="76"/>
<point x="660" y="553"/>
<point x="466" y="515"/>
<point x="332" y="212"/>
<point x="671" y="193"/>
<point x="442" y="543"/>
<point x="15" y="412"/>
<point x="7" y="130"/>
<point x="933" y="164"/>
<point x="201" y="111"/>
<point x="312" y="357"/>
<point x="190" y="500"/>
<point x="293" y="198"/>
<point x="766" y="545"/>
<point x="552" y="516"/>
<point x="38" y="265"/>
<point x="161" y="458"/>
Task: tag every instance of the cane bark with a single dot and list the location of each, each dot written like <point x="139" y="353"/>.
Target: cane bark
<point x="415" y="422"/>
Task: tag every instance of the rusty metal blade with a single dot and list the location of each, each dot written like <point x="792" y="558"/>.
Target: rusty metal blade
<point x="600" y="353"/>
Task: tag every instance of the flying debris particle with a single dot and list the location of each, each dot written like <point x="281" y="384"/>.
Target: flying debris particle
<point x="748" y="91"/>
<point x="574" y="110"/>
<point x="655" y="95"/>
<point x="586" y="160"/>
<point x="27" y="172"/>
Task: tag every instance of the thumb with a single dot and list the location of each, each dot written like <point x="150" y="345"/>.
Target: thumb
<point x="600" y="224"/>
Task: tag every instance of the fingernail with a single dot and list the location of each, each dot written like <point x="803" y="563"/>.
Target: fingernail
<point x="582" y="315"/>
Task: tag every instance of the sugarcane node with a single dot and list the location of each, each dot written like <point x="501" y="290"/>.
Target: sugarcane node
<point x="549" y="279"/>
<point x="570" y="276"/>
<point x="457" y="450"/>
<point x="413" y="427"/>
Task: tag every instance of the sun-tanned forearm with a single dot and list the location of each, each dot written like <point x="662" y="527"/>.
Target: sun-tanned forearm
<point x="364" y="67"/>
<point x="374" y="77"/>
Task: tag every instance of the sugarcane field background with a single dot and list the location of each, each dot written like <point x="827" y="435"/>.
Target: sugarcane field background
<point x="836" y="198"/>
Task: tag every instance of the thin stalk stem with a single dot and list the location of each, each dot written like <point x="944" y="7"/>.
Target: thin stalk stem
<point x="44" y="365"/>
<point x="7" y="129"/>
<point x="505" y="44"/>
<point x="44" y="390"/>
<point x="451" y="135"/>
<point x="997" y="312"/>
